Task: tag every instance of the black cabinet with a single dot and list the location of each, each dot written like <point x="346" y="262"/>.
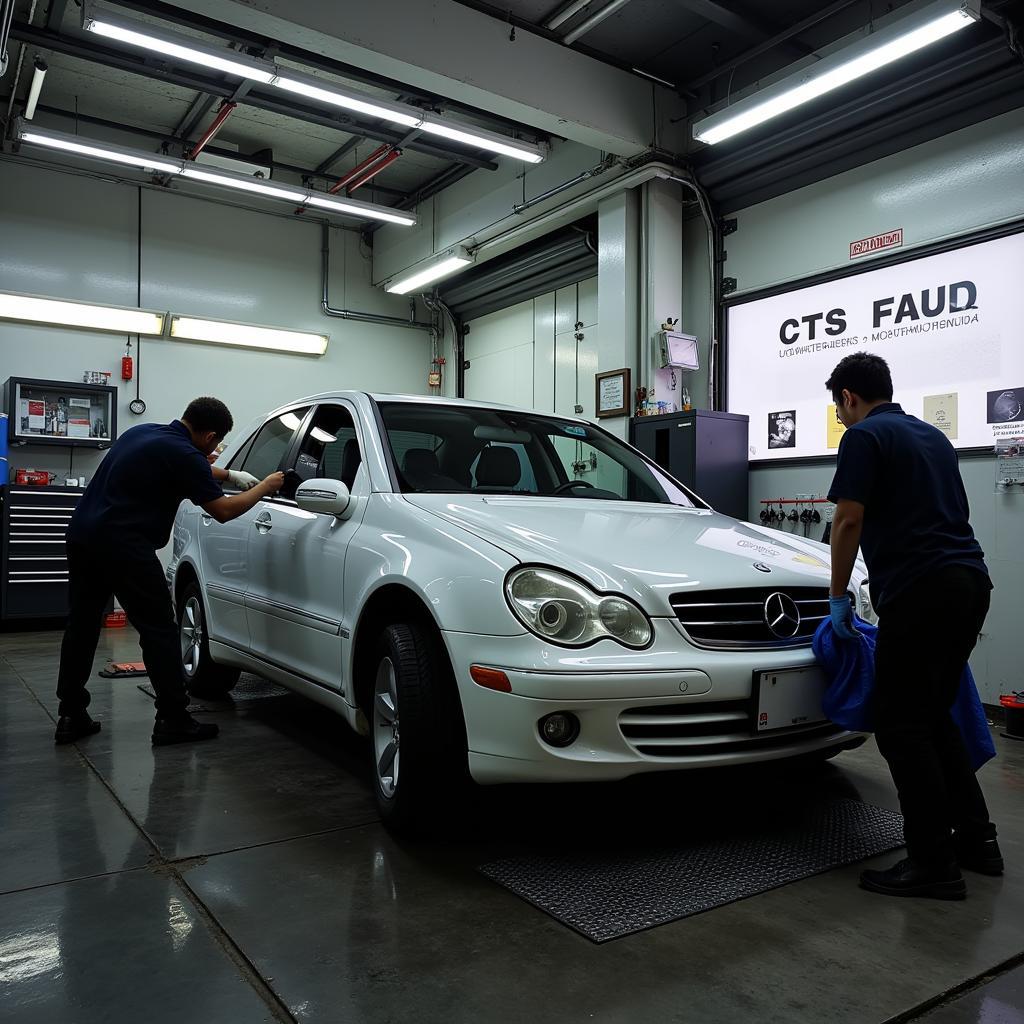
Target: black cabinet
<point x="33" y="558"/>
<point x="705" y="450"/>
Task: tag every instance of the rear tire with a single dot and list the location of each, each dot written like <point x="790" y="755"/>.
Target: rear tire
<point x="202" y="676"/>
<point x="417" y="734"/>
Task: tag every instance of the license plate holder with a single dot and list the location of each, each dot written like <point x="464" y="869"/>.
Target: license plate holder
<point x="788" y="698"/>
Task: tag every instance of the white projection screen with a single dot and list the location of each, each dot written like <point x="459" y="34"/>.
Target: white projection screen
<point x="950" y="325"/>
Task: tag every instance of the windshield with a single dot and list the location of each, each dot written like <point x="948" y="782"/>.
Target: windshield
<point x="465" y="450"/>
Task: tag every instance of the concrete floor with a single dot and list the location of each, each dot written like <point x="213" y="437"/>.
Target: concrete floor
<point x="248" y="880"/>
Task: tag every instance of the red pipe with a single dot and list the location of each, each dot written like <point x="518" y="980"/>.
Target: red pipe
<point x="215" y="126"/>
<point x="376" y="155"/>
<point x="375" y="170"/>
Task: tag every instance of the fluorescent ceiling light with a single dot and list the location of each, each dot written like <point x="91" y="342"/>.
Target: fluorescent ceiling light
<point x="886" y="46"/>
<point x="26" y="133"/>
<point x="171" y="44"/>
<point x="350" y="100"/>
<point x="482" y="139"/>
<point x="359" y="209"/>
<point x="41" y="310"/>
<point x="100" y="151"/>
<point x="221" y="332"/>
<point x="246" y="184"/>
<point x="442" y="266"/>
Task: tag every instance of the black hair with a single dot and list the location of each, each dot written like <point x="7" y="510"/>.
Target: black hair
<point x="861" y="374"/>
<point x="206" y="414"/>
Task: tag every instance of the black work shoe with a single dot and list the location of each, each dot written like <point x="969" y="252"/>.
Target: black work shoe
<point x="981" y="855"/>
<point x="74" y="727"/>
<point x="183" y="729"/>
<point x="910" y="879"/>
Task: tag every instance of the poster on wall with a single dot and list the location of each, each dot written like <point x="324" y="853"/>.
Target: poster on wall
<point x="948" y="325"/>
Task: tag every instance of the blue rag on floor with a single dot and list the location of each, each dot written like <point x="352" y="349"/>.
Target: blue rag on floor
<point x="850" y="665"/>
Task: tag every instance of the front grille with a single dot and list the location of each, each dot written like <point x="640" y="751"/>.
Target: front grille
<point x="730" y="619"/>
<point x="698" y="730"/>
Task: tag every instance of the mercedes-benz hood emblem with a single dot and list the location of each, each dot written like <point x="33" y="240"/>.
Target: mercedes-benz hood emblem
<point x="782" y="616"/>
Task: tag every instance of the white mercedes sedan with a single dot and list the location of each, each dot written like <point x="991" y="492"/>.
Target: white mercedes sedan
<point x="502" y="595"/>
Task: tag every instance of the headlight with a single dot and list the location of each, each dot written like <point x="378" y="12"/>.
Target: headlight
<point x="867" y="609"/>
<point x="565" y="611"/>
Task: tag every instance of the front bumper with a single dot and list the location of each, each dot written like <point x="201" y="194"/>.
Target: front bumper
<point x="671" y="707"/>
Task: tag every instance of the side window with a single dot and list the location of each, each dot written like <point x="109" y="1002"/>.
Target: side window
<point x="271" y="443"/>
<point x="242" y="454"/>
<point x="330" y="448"/>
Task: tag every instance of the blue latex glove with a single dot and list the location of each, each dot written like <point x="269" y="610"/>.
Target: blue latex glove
<point x="841" y="610"/>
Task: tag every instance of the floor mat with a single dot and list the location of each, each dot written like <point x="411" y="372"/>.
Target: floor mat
<point x="607" y="896"/>
<point x="248" y="687"/>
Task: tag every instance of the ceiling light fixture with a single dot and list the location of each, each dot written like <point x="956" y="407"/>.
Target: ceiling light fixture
<point x="885" y="46"/>
<point x="349" y="99"/>
<point x="232" y="62"/>
<point x="91" y="316"/>
<point x="185" y="48"/>
<point x="223" y="332"/>
<point x="102" y="151"/>
<point x="29" y="135"/>
<point x="246" y="183"/>
<point x="481" y="139"/>
<point x="442" y="265"/>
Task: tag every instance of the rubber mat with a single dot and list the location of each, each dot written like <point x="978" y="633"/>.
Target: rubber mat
<point x="248" y="687"/>
<point x="608" y="896"/>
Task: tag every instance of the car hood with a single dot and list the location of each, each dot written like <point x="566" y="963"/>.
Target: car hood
<point x="648" y="552"/>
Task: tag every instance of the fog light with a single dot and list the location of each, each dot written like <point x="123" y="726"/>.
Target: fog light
<point x="559" y="729"/>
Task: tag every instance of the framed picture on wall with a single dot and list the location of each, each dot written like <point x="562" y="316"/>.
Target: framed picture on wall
<point x="612" y="393"/>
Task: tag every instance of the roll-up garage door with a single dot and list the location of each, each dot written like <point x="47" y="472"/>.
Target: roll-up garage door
<point x="559" y="259"/>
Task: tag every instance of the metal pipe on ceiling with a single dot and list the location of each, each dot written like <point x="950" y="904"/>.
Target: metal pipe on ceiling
<point x="21" y="57"/>
<point x="566" y="12"/>
<point x="226" y="110"/>
<point x="372" y="172"/>
<point x="38" y="76"/>
<point x="593" y="21"/>
<point x="352" y="314"/>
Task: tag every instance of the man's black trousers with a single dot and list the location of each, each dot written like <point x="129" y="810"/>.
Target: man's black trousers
<point x="137" y="580"/>
<point x="925" y="636"/>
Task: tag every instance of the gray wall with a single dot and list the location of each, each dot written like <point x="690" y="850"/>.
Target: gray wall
<point x="969" y="180"/>
<point x="73" y="236"/>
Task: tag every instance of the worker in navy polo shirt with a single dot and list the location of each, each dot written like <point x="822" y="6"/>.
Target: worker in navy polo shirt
<point x="899" y="497"/>
<point x="122" y="520"/>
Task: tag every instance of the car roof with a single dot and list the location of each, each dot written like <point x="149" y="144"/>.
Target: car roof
<point x="417" y="399"/>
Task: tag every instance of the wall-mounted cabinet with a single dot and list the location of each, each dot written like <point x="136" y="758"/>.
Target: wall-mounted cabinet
<point x="53" y="412"/>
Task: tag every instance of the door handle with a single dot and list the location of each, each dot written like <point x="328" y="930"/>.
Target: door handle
<point x="264" y="523"/>
<point x="206" y="518"/>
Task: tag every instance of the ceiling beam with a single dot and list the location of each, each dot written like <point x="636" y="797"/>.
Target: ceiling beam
<point x="724" y="16"/>
<point x="55" y="15"/>
<point x="274" y="101"/>
<point x="769" y="44"/>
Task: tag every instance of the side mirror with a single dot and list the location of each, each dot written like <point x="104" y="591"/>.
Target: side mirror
<point x="329" y="496"/>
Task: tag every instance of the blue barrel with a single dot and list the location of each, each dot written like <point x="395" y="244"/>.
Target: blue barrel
<point x="4" y="472"/>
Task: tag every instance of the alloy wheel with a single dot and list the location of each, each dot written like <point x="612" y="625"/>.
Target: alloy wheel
<point x="385" y="727"/>
<point x="191" y="635"/>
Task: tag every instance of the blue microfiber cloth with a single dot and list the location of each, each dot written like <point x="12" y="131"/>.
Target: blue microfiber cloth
<point x="850" y="665"/>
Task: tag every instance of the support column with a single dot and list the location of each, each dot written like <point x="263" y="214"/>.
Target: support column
<point x="618" y="253"/>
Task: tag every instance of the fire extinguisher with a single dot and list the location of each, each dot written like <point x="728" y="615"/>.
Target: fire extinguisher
<point x="127" y="366"/>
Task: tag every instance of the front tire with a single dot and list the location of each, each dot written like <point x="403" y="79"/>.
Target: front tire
<point x="202" y="676"/>
<point x="418" y="740"/>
